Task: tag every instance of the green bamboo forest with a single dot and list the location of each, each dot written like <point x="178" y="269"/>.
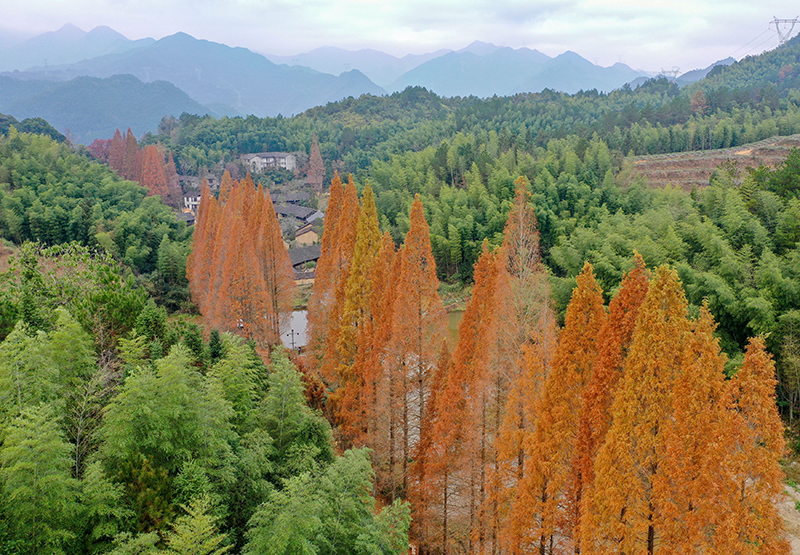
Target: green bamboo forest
<point x="132" y="422"/>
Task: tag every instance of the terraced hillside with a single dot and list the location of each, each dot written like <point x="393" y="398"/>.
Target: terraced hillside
<point x="693" y="169"/>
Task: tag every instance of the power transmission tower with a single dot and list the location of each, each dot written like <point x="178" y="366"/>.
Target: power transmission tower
<point x="783" y="36"/>
<point x="673" y="73"/>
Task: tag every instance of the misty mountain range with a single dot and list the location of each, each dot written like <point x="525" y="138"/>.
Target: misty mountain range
<point x="72" y="78"/>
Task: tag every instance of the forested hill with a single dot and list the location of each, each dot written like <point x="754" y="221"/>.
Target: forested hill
<point x="719" y="111"/>
<point x="778" y="69"/>
<point x="733" y="242"/>
<point x="89" y="107"/>
<point x="151" y="432"/>
<point x="53" y="196"/>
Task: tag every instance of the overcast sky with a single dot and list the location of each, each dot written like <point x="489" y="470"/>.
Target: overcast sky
<point x="683" y="33"/>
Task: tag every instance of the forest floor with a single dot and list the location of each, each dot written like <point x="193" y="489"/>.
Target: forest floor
<point x="788" y="509"/>
<point x="789" y="505"/>
<point x="5" y="252"/>
<point x="693" y="169"/>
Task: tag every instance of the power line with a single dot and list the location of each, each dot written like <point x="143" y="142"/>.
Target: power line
<point x="747" y="43"/>
<point x="756" y="47"/>
<point x="780" y="27"/>
<point x="782" y="38"/>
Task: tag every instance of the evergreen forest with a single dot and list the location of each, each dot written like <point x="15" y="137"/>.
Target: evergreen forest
<point x="625" y="377"/>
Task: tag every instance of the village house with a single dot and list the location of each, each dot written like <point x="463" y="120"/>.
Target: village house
<point x="193" y="182"/>
<point x="293" y="197"/>
<point x="191" y="200"/>
<point x="261" y="161"/>
<point x="306" y="235"/>
<point x="301" y="213"/>
<point x="187" y="217"/>
<point x="300" y="258"/>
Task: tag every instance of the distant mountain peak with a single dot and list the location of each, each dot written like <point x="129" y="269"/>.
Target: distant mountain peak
<point x="69" y="29"/>
<point x="697" y="74"/>
<point x="180" y="36"/>
<point x="480" y="48"/>
<point x="69" y="44"/>
<point x="105" y="32"/>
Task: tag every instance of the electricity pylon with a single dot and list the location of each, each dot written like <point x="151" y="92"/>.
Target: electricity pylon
<point x="674" y="72"/>
<point x="783" y="37"/>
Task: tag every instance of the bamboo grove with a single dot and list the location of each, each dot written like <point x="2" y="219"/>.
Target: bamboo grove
<point x="619" y="432"/>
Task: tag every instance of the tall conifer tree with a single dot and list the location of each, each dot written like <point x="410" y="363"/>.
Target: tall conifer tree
<point x="201" y="238"/>
<point x="239" y="271"/>
<point x="152" y="175"/>
<point x="429" y="490"/>
<point x="116" y="154"/>
<point x="356" y="324"/>
<point x="130" y="169"/>
<point x="345" y="243"/>
<point x="321" y="300"/>
<point x="460" y="441"/>
<point x="757" y="449"/>
<point x="523" y="293"/>
<point x="275" y="265"/>
<point x="546" y="485"/>
<point x="419" y="322"/>
<point x="613" y="343"/>
<point x="623" y="514"/>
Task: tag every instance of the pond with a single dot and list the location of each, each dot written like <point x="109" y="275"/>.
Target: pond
<point x="295" y="334"/>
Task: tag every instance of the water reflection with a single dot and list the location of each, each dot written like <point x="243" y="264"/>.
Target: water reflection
<point x="296" y="332"/>
<point x="294" y="336"/>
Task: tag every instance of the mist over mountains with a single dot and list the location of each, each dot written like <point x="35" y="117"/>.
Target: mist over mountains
<point x="67" y="45"/>
<point x="47" y="76"/>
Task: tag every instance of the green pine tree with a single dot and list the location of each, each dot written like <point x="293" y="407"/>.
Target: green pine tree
<point x="196" y="532"/>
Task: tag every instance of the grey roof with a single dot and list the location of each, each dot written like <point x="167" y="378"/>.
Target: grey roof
<point x="294" y="196"/>
<point x="187" y="217"/>
<point x="315" y="216"/>
<point x="300" y="212"/>
<point x="266" y="155"/>
<point x="301" y="255"/>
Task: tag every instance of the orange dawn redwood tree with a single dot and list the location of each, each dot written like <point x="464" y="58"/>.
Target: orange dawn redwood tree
<point x="758" y="445"/>
<point x="614" y="339"/>
<point x="417" y="331"/>
<point x="275" y="265"/>
<point x="200" y="255"/>
<point x="116" y="152"/>
<point x="545" y="508"/>
<point x="130" y="155"/>
<point x="152" y="175"/>
<point x="374" y="337"/>
<point x="517" y="432"/>
<point x="380" y="362"/>
<point x="685" y="467"/>
<point x="692" y="483"/>
<point x="356" y="325"/>
<point x="319" y="304"/>
<point x="523" y="296"/>
<point x="623" y="514"/>
<point x="345" y="244"/>
<point x="459" y="443"/>
<point x="429" y="491"/>
<point x="239" y="271"/>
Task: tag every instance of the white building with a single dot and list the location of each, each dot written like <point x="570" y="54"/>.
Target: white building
<point x="191" y="200"/>
<point x="262" y="160"/>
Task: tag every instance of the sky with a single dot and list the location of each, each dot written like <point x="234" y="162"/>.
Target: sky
<point x="682" y="34"/>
